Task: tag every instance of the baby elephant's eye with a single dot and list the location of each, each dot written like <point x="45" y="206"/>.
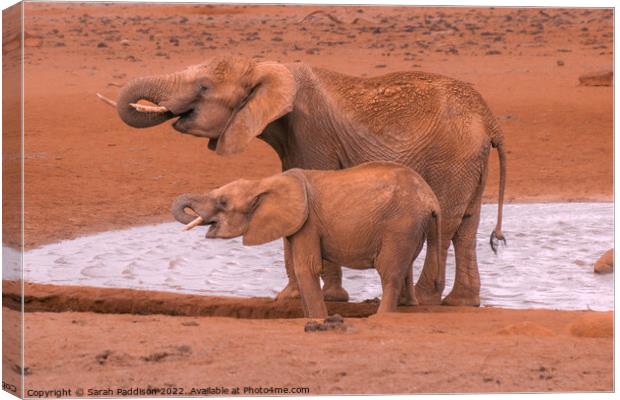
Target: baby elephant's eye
<point x="203" y="87"/>
<point x="222" y="203"/>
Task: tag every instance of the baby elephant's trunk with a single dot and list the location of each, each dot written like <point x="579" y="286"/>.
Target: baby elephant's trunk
<point x="180" y="204"/>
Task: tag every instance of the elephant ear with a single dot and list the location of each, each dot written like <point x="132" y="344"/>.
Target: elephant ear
<point x="272" y="94"/>
<point x="280" y="209"/>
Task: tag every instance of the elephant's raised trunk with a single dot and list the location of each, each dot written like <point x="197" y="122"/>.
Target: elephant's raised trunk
<point x="152" y="89"/>
<point x="180" y="204"/>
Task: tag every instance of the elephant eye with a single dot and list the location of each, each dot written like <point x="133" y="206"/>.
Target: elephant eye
<point x="203" y="87"/>
<point x="222" y="203"/>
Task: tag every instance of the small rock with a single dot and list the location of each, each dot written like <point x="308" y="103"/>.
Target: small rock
<point x="101" y="45"/>
<point x="375" y="300"/>
<point x="336" y="319"/>
<point x="311" y="326"/>
<point x="124" y="42"/>
<point x="560" y="63"/>
<point x="605" y="264"/>
<point x="102" y="358"/>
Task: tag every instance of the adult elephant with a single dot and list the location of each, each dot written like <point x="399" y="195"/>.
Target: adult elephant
<point x="319" y="119"/>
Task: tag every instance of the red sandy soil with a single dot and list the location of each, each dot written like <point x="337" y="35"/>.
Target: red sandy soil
<point x="151" y="339"/>
<point x="86" y="172"/>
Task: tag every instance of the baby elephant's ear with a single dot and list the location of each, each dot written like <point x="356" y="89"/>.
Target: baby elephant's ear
<point x="280" y="210"/>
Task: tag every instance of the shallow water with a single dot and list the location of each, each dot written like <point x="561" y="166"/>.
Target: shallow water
<point x="547" y="263"/>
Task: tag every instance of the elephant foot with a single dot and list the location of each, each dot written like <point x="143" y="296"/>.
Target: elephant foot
<point x="408" y="296"/>
<point x="461" y="298"/>
<point x="427" y="296"/>
<point x="289" y="292"/>
<point x="335" y="294"/>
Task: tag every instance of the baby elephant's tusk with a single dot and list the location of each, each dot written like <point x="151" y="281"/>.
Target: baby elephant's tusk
<point x="145" y="108"/>
<point x="193" y="224"/>
<point x="106" y="100"/>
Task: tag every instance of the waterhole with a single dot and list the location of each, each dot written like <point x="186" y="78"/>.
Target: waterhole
<point x="546" y="264"/>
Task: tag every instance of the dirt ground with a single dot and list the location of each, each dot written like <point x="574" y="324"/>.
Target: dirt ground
<point x="85" y="171"/>
<point x="418" y="350"/>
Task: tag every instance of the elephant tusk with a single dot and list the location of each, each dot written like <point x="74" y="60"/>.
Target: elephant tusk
<point x="145" y="108"/>
<point x="106" y="100"/>
<point x="193" y="224"/>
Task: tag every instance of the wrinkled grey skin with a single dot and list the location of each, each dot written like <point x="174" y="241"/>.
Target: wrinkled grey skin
<point x="319" y="119"/>
<point x="374" y="215"/>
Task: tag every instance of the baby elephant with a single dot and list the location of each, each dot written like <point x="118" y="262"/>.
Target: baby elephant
<point x="376" y="214"/>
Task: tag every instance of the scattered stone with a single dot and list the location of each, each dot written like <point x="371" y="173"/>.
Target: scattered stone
<point x="124" y="42"/>
<point x="331" y="323"/>
<point x="103" y="357"/>
<point x="102" y="45"/>
<point x="336" y="319"/>
<point x="604" y="78"/>
<point x="156" y="357"/>
<point x="375" y="300"/>
<point x="311" y="326"/>
<point x="605" y="264"/>
<point x="560" y="63"/>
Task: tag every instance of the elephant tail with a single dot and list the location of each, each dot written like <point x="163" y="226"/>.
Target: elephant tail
<point x="434" y="239"/>
<point x="497" y="235"/>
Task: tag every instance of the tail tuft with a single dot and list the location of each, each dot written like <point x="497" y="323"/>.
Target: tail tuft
<point x="496" y="238"/>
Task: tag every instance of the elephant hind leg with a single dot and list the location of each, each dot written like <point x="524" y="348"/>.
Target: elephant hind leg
<point x="432" y="281"/>
<point x="394" y="265"/>
<point x="407" y="294"/>
<point x="466" y="289"/>
<point x="332" y="282"/>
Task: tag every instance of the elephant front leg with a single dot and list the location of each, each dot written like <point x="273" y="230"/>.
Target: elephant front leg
<point x="291" y="290"/>
<point x="332" y="282"/>
<point x="307" y="264"/>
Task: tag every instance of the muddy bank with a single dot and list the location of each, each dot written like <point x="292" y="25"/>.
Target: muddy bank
<point x="52" y="298"/>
